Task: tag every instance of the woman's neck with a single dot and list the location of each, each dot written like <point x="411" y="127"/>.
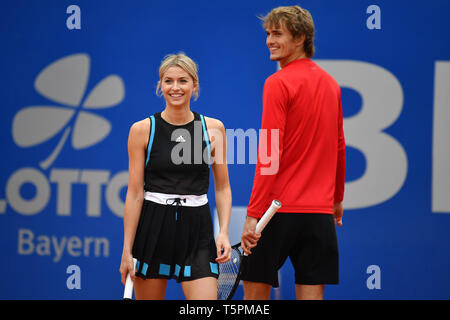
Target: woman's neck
<point x="177" y="116"/>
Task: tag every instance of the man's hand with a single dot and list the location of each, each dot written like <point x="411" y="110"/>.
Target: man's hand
<point x="338" y="212"/>
<point x="249" y="237"/>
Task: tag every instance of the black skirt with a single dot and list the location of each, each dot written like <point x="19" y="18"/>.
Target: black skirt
<point x="175" y="242"/>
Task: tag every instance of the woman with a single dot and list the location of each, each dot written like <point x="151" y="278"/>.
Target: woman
<point x="167" y="219"/>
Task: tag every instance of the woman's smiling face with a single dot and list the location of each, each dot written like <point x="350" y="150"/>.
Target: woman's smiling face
<point x="177" y="87"/>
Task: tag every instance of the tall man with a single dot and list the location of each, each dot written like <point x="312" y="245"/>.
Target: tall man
<point x="302" y="104"/>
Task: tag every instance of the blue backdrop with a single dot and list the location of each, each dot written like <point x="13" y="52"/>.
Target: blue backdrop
<point x="74" y="79"/>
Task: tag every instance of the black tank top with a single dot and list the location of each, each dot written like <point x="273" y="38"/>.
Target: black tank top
<point x="177" y="158"/>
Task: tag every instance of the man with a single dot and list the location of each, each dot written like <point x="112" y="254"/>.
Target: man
<point x="302" y="103"/>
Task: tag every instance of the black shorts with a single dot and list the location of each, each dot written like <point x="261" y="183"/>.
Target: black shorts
<point x="308" y="239"/>
<point x="175" y="242"/>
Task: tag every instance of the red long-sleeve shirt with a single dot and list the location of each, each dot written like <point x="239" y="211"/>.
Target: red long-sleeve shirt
<point x="303" y="102"/>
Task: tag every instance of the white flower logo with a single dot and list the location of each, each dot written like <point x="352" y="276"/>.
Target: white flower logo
<point x="64" y="82"/>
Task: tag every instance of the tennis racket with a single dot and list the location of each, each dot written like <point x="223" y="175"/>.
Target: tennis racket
<point x="128" y="291"/>
<point x="230" y="271"/>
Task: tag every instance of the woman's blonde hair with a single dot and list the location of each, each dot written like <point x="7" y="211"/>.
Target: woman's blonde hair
<point x="184" y="62"/>
<point x="297" y="20"/>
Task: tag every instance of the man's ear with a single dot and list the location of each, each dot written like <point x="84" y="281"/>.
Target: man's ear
<point x="299" y="41"/>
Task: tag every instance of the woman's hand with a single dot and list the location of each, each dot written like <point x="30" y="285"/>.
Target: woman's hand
<point x="127" y="267"/>
<point x="223" y="248"/>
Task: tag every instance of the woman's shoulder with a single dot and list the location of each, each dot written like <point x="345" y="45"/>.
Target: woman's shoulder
<point x="213" y="123"/>
<point x="141" y="125"/>
<point x="140" y="129"/>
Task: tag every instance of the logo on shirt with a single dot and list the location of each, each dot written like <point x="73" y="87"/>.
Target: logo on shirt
<point x="180" y="139"/>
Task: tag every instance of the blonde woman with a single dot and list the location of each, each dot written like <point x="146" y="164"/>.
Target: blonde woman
<point x="167" y="219"/>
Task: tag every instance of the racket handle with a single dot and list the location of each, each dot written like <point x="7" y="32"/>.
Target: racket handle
<point x="128" y="291"/>
<point x="268" y="215"/>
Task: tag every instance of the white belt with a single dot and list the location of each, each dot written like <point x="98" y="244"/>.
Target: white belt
<point x="170" y="199"/>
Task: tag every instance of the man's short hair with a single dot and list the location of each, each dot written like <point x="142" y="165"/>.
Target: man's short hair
<point x="297" y="20"/>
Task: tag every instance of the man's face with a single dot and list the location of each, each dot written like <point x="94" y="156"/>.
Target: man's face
<point x="282" y="45"/>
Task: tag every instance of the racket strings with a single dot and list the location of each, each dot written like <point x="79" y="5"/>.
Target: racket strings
<point x="229" y="272"/>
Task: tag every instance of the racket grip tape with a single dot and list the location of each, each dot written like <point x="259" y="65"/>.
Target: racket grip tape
<point x="128" y="291"/>
<point x="268" y="215"/>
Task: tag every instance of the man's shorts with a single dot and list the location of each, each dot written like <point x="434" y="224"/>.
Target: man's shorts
<point x="308" y="239"/>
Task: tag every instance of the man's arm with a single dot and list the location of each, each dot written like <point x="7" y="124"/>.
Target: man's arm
<point x="270" y="150"/>
<point x="340" y="170"/>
